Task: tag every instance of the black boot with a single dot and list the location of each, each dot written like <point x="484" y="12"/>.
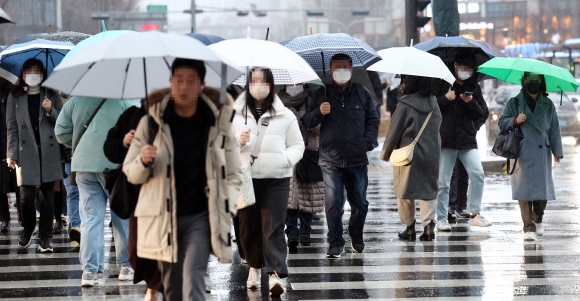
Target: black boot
<point x="428" y="232"/>
<point x="409" y="233"/>
<point x="305" y="240"/>
<point x="293" y="239"/>
<point x="57" y="227"/>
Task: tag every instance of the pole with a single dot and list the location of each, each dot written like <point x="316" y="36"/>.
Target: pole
<point x="58" y="15"/>
<point x="193" y="16"/>
<point x="410" y="24"/>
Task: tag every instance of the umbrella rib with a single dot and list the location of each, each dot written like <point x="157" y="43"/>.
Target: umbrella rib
<point x="125" y="79"/>
<point x="80" y="78"/>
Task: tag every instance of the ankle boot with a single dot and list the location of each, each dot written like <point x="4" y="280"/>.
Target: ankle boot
<point x="293" y="235"/>
<point x="428" y="232"/>
<point x="409" y="233"/>
<point x="57" y="227"/>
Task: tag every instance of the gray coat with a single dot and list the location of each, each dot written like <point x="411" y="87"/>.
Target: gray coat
<point x="22" y="145"/>
<point x="308" y="197"/>
<point x="417" y="180"/>
<point x="532" y="179"/>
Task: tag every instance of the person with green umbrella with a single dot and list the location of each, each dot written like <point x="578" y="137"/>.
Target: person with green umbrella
<point x="532" y="183"/>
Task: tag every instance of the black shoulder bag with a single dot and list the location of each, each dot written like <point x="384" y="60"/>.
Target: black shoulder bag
<point x="73" y="178"/>
<point x="507" y="145"/>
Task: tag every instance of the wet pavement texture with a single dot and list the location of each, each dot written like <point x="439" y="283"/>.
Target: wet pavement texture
<point x="469" y="263"/>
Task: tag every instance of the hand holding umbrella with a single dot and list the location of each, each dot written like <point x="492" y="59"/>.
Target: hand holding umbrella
<point x="47" y="105"/>
<point x="325" y="108"/>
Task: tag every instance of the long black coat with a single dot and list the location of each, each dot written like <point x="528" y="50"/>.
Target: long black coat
<point x="418" y="180"/>
<point x="462" y="120"/>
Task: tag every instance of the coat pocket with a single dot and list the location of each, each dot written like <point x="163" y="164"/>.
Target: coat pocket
<point x="356" y="111"/>
<point x="548" y="142"/>
<point x="150" y="202"/>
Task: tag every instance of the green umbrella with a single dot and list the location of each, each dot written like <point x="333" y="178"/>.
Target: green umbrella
<point x="512" y="70"/>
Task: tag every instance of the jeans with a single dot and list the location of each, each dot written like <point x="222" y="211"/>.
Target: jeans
<point x="262" y="226"/>
<point x="292" y="216"/>
<point x="185" y="279"/>
<point x="355" y="181"/>
<point x="72" y="199"/>
<point x="28" y="208"/>
<point x="472" y="163"/>
<point x="93" y="204"/>
<point x="532" y="213"/>
<point x="458" y="188"/>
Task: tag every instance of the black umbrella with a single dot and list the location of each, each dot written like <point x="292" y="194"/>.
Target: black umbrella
<point x="65" y="36"/>
<point x="4" y="17"/>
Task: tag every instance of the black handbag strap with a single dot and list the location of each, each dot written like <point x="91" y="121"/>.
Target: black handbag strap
<point x="84" y="129"/>
<point x="513" y="168"/>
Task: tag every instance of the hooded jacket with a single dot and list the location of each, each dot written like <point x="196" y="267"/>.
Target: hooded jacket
<point x="418" y="180"/>
<point x="156" y="219"/>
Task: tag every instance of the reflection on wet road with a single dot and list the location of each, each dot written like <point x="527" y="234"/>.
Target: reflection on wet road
<point x="467" y="264"/>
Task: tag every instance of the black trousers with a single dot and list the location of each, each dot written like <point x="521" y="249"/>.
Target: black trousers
<point x="532" y="213"/>
<point x="236" y="222"/>
<point x="4" y="210"/>
<point x="59" y="200"/>
<point x="262" y="226"/>
<point x="458" y="187"/>
<point x="28" y="209"/>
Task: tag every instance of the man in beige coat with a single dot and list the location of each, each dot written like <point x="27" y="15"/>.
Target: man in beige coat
<point x="185" y="208"/>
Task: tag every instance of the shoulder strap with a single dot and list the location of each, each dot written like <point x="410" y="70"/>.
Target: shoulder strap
<point x="84" y="129"/>
<point x="261" y="134"/>
<point x="423" y="127"/>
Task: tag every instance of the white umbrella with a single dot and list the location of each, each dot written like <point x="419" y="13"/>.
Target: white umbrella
<point x="135" y="64"/>
<point x="287" y="66"/>
<point x="412" y="61"/>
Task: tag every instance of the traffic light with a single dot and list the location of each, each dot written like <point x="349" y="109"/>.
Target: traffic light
<point x="415" y="19"/>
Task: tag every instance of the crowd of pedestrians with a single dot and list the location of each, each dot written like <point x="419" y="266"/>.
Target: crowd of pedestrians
<point x="266" y="163"/>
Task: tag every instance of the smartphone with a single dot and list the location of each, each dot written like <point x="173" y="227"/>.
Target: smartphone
<point x="468" y="93"/>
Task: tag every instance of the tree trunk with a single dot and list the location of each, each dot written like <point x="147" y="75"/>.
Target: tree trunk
<point x="446" y="18"/>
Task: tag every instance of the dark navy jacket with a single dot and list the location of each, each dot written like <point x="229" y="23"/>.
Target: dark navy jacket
<point x="351" y="128"/>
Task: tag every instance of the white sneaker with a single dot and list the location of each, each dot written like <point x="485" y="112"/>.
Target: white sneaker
<point x="276" y="288"/>
<point x="530" y="236"/>
<point x="151" y="295"/>
<point x="254" y="278"/>
<point x="443" y="225"/>
<point x="126" y="274"/>
<point x="89" y="279"/>
<point x="540" y="229"/>
<point x="244" y="261"/>
<point x="479" y="221"/>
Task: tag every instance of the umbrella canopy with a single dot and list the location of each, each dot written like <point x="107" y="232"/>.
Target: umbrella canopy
<point x="318" y="49"/>
<point x="50" y="53"/>
<point x="447" y="48"/>
<point x="103" y="35"/>
<point x="512" y="70"/>
<point x="207" y="39"/>
<point x="287" y="66"/>
<point x="133" y="65"/>
<point x="65" y="36"/>
<point x="4" y="17"/>
<point x="412" y="61"/>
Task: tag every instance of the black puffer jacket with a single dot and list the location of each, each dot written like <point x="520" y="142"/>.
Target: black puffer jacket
<point x="462" y="120"/>
<point x="351" y="128"/>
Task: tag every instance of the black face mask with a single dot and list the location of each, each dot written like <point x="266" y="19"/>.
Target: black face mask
<point x="534" y="88"/>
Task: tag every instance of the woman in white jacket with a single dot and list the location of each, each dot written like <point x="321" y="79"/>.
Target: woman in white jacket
<point x="259" y="111"/>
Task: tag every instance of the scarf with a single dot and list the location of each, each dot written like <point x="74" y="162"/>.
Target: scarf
<point x="293" y="101"/>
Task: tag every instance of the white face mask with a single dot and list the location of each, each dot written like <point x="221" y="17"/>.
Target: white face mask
<point x="463" y="75"/>
<point x="259" y="91"/>
<point x="341" y="76"/>
<point x="294" y="90"/>
<point x="32" y="79"/>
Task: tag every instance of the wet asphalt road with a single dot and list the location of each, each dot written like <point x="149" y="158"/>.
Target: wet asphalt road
<point x="467" y="264"/>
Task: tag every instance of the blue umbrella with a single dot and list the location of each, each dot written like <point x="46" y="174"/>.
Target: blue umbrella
<point x="50" y="53"/>
<point x="207" y="39"/>
<point x="318" y="49"/>
<point x="447" y="47"/>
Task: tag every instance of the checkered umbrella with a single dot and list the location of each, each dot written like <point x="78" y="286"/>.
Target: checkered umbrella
<point x="287" y="67"/>
<point x="318" y="49"/>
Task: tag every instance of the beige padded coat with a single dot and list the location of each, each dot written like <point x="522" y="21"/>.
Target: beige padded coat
<point x="156" y="221"/>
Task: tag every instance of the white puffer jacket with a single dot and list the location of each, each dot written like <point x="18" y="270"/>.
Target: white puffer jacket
<point x="282" y="146"/>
